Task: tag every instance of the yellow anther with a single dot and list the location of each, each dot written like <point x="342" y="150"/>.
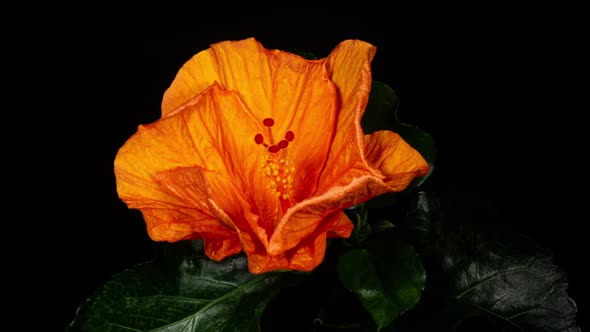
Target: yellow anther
<point x="279" y="169"/>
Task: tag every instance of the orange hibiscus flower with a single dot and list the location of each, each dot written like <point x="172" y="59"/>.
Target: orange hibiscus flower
<point x="260" y="150"/>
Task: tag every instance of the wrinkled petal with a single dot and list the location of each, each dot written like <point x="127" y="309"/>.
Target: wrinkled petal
<point x="213" y="131"/>
<point x="165" y="144"/>
<point x="223" y="201"/>
<point x="309" y="253"/>
<point x="349" y="66"/>
<point x="349" y="178"/>
<point x="304" y="218"/>
<point x="296" y="93"/>
<point x="397" y="164"/>
<point x="173" y="225"/>
<point x="340" y="226"/>
<point x="244" y="66"/>
<point x="395" y="159"/>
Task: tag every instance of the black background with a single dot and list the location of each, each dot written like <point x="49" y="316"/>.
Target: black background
<point x="491" y="84"/>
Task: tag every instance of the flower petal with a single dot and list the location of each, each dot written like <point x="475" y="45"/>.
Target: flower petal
<point x="173" y="224"/>
<point x="304" y="218"/>
<point x="308" y="254"/>
<point x="345" y="171"/>
<point x="395" y="158"/>
<point x="222" y="198"/>
<point x="165" y="144"/>
<point x="214" y="131"/>
<point x="296" y="93"/>
<point x="349" y="66"/>
<point x="340" y="226"/>
<point x="397" y="164"/>
<point x="236" y="65"/>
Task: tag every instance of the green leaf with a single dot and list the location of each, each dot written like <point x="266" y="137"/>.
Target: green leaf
<point x="366" y="224"/>
<point x="387" y="277"/>
<point x="381" y="110"/>
<point x="382" y="114"/>
<point x="380" y="225"/>
<point x="484" y="272"/>
<point x="180" y="292"/>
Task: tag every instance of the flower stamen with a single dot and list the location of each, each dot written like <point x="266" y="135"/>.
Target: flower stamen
<point x="268" y="122"/>
<point x="272" y="147"/>
<point x="276" y="165"/>
<point x="280" y="174"/>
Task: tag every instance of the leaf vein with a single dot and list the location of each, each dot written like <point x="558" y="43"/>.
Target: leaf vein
<point x="188" y="319"/>
<point x="216" y="281"/>
<point x="124" y="327"/>
<point x="488" y="278"/>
